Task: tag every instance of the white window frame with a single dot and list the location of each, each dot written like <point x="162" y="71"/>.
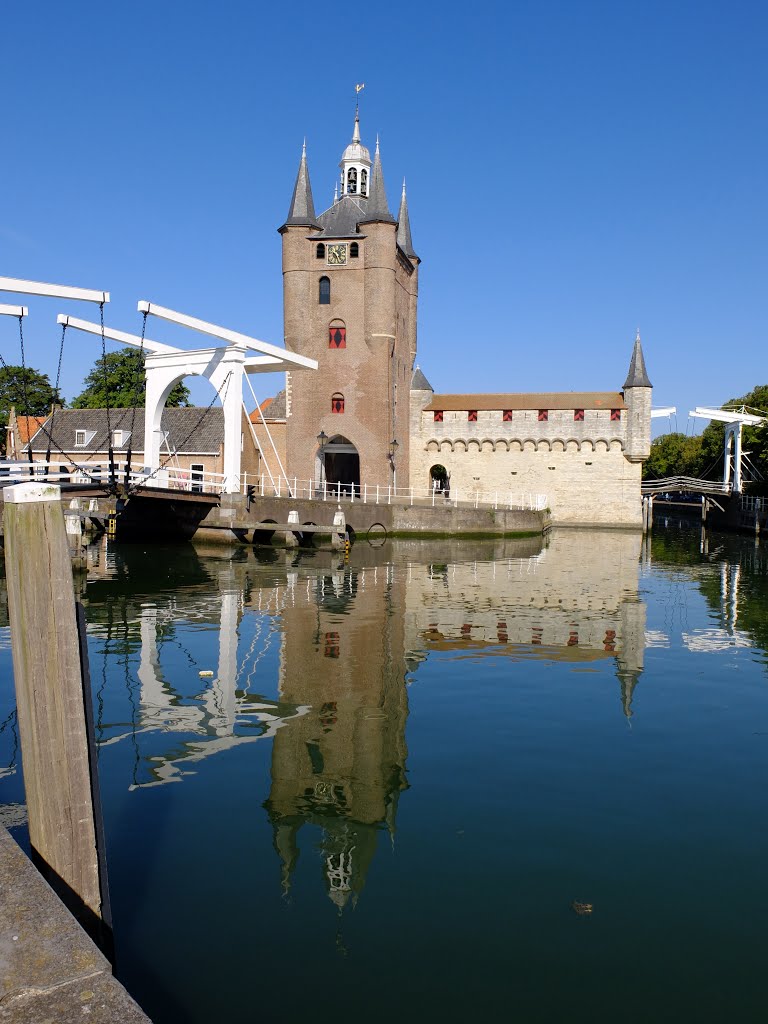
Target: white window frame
<point x="81" y="438"/>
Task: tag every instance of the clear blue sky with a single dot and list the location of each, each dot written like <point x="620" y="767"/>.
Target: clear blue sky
<point x="575" y="169"/>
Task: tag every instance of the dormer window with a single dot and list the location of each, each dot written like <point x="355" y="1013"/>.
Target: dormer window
<point x="120" y="438"/>
<point x="84" y="437"/>
<point x="352" y="180"/>
<point x="363" y="182"/>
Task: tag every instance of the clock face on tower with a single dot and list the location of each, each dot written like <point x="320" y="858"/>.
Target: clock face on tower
<point x="337" y="255"/>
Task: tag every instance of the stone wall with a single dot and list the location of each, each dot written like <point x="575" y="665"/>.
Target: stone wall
<point x="581" y="467"/>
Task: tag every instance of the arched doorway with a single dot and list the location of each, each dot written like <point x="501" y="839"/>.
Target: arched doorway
<point x="438" y="479"/>
<point x="340" y="464"/>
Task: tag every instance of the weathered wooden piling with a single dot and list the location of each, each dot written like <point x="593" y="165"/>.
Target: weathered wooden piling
<point x="50" y="671"/>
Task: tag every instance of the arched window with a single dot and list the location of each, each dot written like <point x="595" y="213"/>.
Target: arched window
<point x="352" y="180"/>
<point x="324" y="297"/>
<point x="337" y="402"/>
<point x="354" y="251"/>
<point x="363" y="182"/>
<point x="320" y="251"/>
<point x="337" y="334"/>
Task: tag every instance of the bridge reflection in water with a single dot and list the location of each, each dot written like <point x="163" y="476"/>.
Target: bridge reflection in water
<point x="316" y="656"/>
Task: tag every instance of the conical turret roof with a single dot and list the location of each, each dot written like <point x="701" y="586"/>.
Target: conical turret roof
<point x="418" y="381"/>
<point x="377" y="207"/>
<point x="404" y="226"/>
<point x="302" y="208"/>
<point x="637" y="376"/>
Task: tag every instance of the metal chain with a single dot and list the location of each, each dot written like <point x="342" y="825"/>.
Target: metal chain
<point x="56" y="388"/>
<point x="139" y="366"/>
<point x="24" y="392"/>
<point x="139" y="374"/>
<point x="110" y="450"/>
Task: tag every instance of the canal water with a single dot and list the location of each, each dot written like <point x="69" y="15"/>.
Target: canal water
<point x="440" y="781"/>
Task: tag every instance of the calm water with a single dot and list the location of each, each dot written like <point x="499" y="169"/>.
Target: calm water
<point x="400" y="773"/>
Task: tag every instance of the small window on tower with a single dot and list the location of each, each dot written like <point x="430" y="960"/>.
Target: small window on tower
<point x="354" y="251"/>
<point x="320" y="251"/>
<point x="337" y="402"/>
<point x="363" y="182"/>
<point x="472" y="416"/>
<point x="543" y="415"/>
<point x="337" y="335"/>
<point x="325" y="291"/>
<point x="438" y="415"/>
<point x="578" y="415"/>
<point x="352" y="180"/>
<point x="615" y="415"/>
<point x="507" y="416"/>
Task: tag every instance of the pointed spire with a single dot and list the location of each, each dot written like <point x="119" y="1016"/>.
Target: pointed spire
<point x="302" y="209"/>
<point x="637" y="376"/>
<point x="418" y="381"/>
<point x="378" y="209"/>
<point x="356" y="132"/>
<point x="404" y="226"/>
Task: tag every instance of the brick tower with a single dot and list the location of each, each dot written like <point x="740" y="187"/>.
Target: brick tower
<point x="350" y="287"/>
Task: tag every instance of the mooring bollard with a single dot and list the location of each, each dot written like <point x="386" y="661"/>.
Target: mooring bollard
<point x="339" y="529"/>
<point x="53" y="700"/>
<point x="291" y="540"/>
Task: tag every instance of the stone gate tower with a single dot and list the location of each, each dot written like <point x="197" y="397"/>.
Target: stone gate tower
<point x="350" y="287"/>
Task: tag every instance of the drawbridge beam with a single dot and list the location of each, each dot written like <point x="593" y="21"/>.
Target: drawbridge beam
<point x="734" y="423"/>
<point x="51" y="291"/>
<point x="13" y="310"/>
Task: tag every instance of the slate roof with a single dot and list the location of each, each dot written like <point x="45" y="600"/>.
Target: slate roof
<point x="539" y="400"/>
<point x="206" y="427"/>
<point x="637" y="376"/>
<point x="341" y="220"/>
<point x="419" y="382"/>
<point x="272" y="408"/>
<point x="404" y="227"/>
<point x="302" y="209"/>
<point x="378" y="208"/>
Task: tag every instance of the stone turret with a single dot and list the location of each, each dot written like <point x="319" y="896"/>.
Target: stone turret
<point x="637" y="395"/>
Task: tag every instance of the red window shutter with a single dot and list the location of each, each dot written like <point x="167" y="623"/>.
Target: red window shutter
<point x="615" y="414"/>
<point x="578" y="415"/>
<point x="543" y="415"/>
<point x="472" y="416"/>
<point x="507" y="416"/>
<point x="332" y="645"/>
<point x="337" y="403"/>
<point x="337" y="337"/>
<point x="438" y="416"/>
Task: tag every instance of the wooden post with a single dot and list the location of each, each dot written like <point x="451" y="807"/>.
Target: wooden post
<point x="50" y="672"/>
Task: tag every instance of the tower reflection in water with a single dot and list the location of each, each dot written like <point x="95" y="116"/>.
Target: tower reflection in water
<point x="336" y="645"/>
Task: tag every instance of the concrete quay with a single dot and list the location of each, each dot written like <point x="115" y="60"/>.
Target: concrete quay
<point x="50" y="971"/>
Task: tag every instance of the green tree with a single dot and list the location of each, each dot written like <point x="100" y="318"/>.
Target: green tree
<point x="118" y="382"/>
<point x="29" y="391"/>
<point x="674" y="455"/>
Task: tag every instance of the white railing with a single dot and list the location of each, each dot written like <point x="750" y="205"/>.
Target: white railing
<point x="388" y="494"/>
<point x="749" y="503"/>
<point x="94" y="473"/>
